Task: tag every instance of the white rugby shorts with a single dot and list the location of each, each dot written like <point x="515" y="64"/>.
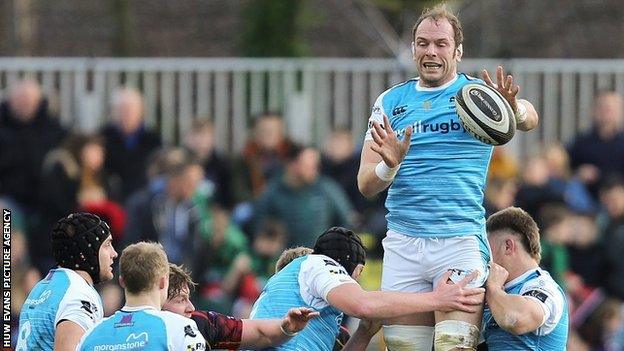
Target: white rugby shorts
<point x="415" y="264"/>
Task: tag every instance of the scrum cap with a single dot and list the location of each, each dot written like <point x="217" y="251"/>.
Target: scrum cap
<point x="342" y="245"/>
<point x="76" y="241"/>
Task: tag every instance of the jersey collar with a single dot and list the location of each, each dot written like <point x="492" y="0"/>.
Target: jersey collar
<point x="522" y="277"/>
<point x="138" y="308"/>
<point x="441" y="87"/>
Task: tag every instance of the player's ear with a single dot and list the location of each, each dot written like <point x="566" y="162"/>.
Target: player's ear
<point x="163" y="283"/>
<point x="121" y="282"/>
<point x="509" y="246"/>
<point x="357" y="272"/>
<point x="459" y="52"/>
<point x="413" y="50"/>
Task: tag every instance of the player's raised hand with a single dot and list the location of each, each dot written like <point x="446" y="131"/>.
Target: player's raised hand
<point x="387" y="145"/>
<point x="504" y="85"/>
<point x="457" y="297"/>
<point x="297" y="318"/>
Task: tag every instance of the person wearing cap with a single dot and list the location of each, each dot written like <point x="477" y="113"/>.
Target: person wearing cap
<point x="64" y="304"/>
<point x="326" y="281"/>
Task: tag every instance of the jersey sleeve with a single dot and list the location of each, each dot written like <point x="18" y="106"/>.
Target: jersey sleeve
<point x="220" y="331"/>
<point x="376" y="116"/>
<point x="318" y="276"/>
<point x="182" y="333"/>
<point x="550" y="299"/>
<point x="81" y="307"/>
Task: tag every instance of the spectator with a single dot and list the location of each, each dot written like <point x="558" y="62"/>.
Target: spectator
<point x="221" y="258"/>
<point x="73" y="178"/>
<point x="499" y="194"/>
<point x="601" y="326"/>
<point x="503" y="165"/>
<point x="303" y="200"/>
<point x="340" y="161"/>
<point x="600" y="151"/>
<point x="74" y="173"/>
<point x="263" y="156"/>
<point x="267" y="246"/>
<point x="128" y="143"/>
<point x="27" y="132"/>
<point x="561" y="181"/>
<point x="587" y="251"/>
<point x="217" y="172"/>
<point x="534" y="191"/>
<point x="611" y="223"/>
<point x="168" y="214"/>
<point x="556" y="222"/>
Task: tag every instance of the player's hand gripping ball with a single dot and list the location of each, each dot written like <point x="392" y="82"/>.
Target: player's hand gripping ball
<point x="485" y="113"/>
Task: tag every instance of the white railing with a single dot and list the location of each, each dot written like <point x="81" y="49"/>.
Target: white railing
<point x="315" y="95"/>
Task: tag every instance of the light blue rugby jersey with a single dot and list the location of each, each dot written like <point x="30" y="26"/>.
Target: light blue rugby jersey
<point x="438" y="191"/>
<point x="143" y="328"/>
<point x="61" y="295"/>
<point x="552" y="335"/>
<point x="284" y="291"/>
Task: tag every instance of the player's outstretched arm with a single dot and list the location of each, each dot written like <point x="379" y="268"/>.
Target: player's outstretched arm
<point x="526" y="115"/>
<point x="363" y="334"/>
<point x="67" y="336"/>
<point x="514" y="313"/>
<point x="259" y="334"/>
<point x="354" y="301"/>
<point x="381" y="158"/>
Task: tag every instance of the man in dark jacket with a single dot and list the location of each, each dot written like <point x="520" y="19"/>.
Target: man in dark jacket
<point x="27" y="133"/>
<point x="128" y="143"/>
<point x="599" y="153"/>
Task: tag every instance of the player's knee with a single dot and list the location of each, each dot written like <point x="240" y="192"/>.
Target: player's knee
<point x="408" y="337"/>
<point x="455" y="335"/>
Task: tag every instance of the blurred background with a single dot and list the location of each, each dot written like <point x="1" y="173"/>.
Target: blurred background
<point x="230" y="130"/>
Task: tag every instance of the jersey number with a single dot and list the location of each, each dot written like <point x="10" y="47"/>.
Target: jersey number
<point x="22" y="339"/>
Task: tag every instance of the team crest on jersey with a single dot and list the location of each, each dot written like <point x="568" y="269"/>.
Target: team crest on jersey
<point x="126" y="321"/>
<point x="188" y="330"/>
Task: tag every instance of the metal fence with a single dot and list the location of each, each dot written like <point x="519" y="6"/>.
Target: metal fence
<point x="315" y="95"/>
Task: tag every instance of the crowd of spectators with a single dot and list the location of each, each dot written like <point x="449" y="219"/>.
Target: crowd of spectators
<point x="228" y="217"/>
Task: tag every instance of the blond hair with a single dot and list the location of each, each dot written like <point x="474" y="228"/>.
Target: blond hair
<point x="141" y="265"/>
<point x="290" y="254"/>
<point x="437" y="13"/>
<point x="179" y="276"/>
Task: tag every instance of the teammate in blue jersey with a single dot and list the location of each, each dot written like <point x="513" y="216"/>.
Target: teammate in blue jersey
<point x="140" y="324"/>
<point x="436" y="174"/>
<point x="63" y="305"/>
<point x="525" y="308"/>
<point x="326" y="282"/>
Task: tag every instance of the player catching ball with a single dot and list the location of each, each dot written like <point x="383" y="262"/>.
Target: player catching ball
<point x="436" y="174"/>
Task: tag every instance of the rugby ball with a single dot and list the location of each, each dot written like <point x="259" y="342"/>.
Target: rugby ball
<point x="485" y="114"/>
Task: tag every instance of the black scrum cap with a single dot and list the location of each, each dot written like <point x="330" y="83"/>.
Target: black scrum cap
<point x="343" y="245"/>
<point x="76" y="241"/>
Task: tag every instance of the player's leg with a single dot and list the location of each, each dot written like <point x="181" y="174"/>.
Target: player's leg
<point x="460" y="330"/>
<point x="402" y="271"/>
